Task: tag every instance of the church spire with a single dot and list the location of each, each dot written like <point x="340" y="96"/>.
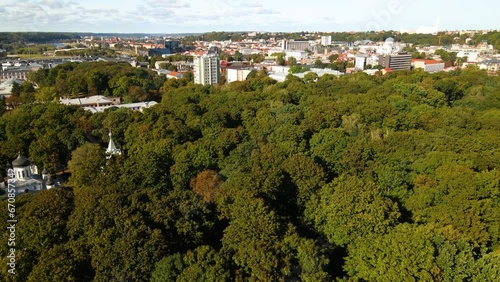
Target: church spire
<point x="112" y="150"/>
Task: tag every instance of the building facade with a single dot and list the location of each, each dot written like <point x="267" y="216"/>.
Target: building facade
<point x="14" y="74"/>
<point x="397" y="61"/>
<point x="207" y="69"/>
<point x="295" y="45"/>
<point x="428" y="65"/>
<point x="361" y="62"/>
<point x="173" y="45"/>
<point x="237" y="74"/>
<point x="490" y="65"/>
<point x="26" y="178"/>
<point x="326" y="40"/>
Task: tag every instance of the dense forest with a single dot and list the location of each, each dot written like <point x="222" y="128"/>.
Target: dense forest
<point x="355" y="178"/>
<point x="35" y="37"/>
<point x="71" y="80"/>
<point x="15" y="42"/>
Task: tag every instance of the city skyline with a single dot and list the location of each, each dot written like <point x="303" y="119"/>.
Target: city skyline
<point x="196" y="16"/>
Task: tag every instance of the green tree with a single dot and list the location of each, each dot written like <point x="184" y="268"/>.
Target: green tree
<point x="168" y="269"/>
<point x="86" y="164"/>
<point x="46" y="94"/>
<point x="319" y="64"/>
<point x="458" y="197"/>
<point x="327" y="147"/>
<point x="61" y="263"/>
<point x="349" y="209"/>
<point x="16" y="89"/>
<point x="253" y="237"/>
<point x="27" y="93"/>
<point x="310" y="77"/>
<point x="412" y="252"/>
<point x="333" y="58"/>
<point x="448" y="57"/>
<point x="238" y="56"/>
<point x="2" y="106"/>
<point x="204" y="264"/>
<point x="291" y="61"/>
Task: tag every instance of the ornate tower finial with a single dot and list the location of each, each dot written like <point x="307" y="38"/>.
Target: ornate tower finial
<point x="112" y="150"/>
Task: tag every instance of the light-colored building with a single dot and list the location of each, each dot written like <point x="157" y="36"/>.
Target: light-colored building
<point x="25" y="177"/>
<point x="372" y="60"/>
<point x="361" y="61"/>
<point x="250" y="51"/>
<point x="159" y="63"/>
<point x="280" y="73"/>
<point x="326" y="40"/>
<point x="14" y="73"/>
<point x="277" y="68"/>
<point x="206" y="69"/>
<point x="490" y="65"/>
<point x="371" y="71"/>
<point x="140" y="106"/>
<point x="6" y="86"/>
<point x="237" y="74"/>
<point x="298" y="55"/>
<point x="99" y="103"/>
<point x="278" y="76"/>
<point x="428" y="65"/>
<point x="319" y="72"/>
<point x="92" y="101"/>
<point x="472" y="55"/>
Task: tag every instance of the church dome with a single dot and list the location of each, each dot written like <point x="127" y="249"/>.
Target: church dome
<point x="21" y="162"/>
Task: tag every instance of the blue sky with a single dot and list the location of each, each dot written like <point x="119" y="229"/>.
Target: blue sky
<point x="179" y="16"/>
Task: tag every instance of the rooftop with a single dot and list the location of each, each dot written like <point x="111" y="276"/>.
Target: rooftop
<point x="92" y="100"/>
<point x="21" y="161"/>
<point x="427" y="62"/>
<point x="133" y="106"/>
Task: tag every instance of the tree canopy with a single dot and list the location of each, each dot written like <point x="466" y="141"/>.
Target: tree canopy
<point x="372" y="178"/>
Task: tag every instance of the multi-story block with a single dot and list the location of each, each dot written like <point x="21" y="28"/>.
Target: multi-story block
<point x="326" y="40"/>
<point x="397" y="61"/>
<point x="295" y="45"/>
<point x="207" y="69"/>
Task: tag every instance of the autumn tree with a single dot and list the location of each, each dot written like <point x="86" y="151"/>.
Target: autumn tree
<point x="206" y="183"/>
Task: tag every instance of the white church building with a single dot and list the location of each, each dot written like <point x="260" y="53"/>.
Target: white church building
<point x="26" y="177"/>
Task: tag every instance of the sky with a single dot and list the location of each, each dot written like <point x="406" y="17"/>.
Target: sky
<point x="195" y="16"/>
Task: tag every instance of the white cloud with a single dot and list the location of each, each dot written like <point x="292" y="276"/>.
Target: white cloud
<point x="202" y="15"/>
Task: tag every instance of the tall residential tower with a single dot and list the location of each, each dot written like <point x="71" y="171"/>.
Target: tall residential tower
<point x="207" y="69"/>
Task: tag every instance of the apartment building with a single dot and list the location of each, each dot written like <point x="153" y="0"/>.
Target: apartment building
<point x="206" y="69"/>
<point x="396" y="61"/>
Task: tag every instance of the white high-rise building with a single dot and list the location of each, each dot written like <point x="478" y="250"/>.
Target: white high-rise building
<point x="326" y="40"/>
<point x="207" y="69"/>
<point x="360" y="62"/>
